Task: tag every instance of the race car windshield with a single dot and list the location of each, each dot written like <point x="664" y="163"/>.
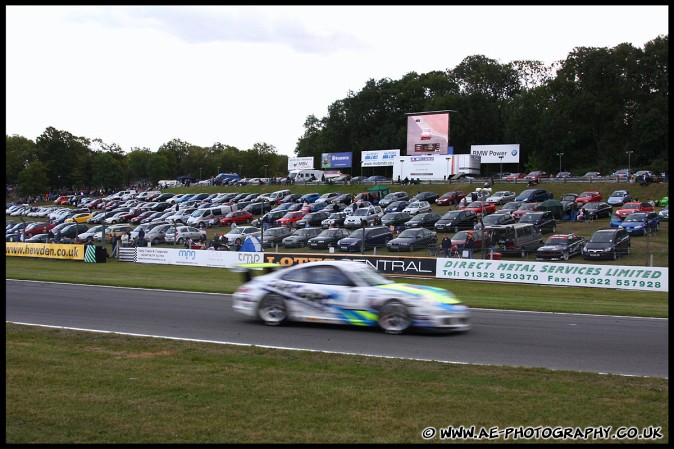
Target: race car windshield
<point x="370" y="277"/>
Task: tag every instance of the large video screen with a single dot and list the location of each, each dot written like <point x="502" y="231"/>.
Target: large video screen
<point x="427" y="133"/>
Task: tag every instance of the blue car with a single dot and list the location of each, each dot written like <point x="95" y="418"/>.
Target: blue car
<point x="309" y="198"/>
<point x="641" y="223"/>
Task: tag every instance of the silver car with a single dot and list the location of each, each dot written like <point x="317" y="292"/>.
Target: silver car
<point x="501" y="197"/>
<point x="157" y="234"/>
<point x="180" y="234"/>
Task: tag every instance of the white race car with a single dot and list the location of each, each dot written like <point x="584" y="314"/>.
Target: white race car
<point x="346" y="292"/>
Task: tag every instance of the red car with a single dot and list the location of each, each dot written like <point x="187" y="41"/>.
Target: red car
<point x="290" y="218"/>
<point x="238" y="217"/>
<point x="458" y="241"/>
<point x="142" y="216"/>
<point x="450" y="198"/>
<point x="536" y="175"/>
<point x="480" y="207"/>
<point x="633" y="206"/>
<point x="524" y="208"/>
<point x="38" y="227"/>
<point x="589" y="197"/>
<point x="514" y="176"/>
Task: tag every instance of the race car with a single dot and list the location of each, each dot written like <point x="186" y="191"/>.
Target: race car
<point x="346" y="292"/>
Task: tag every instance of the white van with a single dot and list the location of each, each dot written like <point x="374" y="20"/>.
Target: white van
<point x="208" y="216"/>
<point x="166" y="183"/>
<point x="274" y="197"/>
<point x="145" y="196"/>
<point x="305" y="175"/>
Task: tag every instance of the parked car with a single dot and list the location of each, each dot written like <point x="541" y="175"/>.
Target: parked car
<point x="607" y="244"/>
<point x="312" y="219"/>
<point x="623" y="173"/>
<point x="328" y="238"/>
<point x="272" y="216"/>
<point x="309" y="197"/>
<point x="377" y="178"/>
<point x="519" y="238"/>
<point x="396" y="206"/>
<point x="568" y="201"/>
<point x="91" y="234"/>
<point x="38" y="238"/>
<point x="536" y="175"/>
<point x="334" y="220"/>
<point x="300" y="237"/>
<point x="589" y="196"/>
<point x="561" y="247"/>
<point x="619" y="197"/>
<point x="350" y="293"/>
<point x="237" y="216"/>
<point x="514" y="176"/>
<point x="510" y="207"/>
<point x="501" y="197"/>
<point x="327" y="197"/>
<point x="542" y="220"/>
<point x="425" y="220"/>
<point x="290" y="218"/>
<point x="392" y="197"/>
<point x="237" y="235"/>
<point x="367" y="214"/>
<point x="395" y="219"/>
<point x="115" y="230"/>
<point x="456" y="220"/>
<point x="664" y="213"/>
<point x="180" y="234"/>
<point x="79" y="218"/>
<point x="418" y="207"/>
<point x="426" y="196"/>
<point x="634" y="206"/>
<point x="524" y="208"/>
<point x="498" y="218"/>
<point x="258" y="207"/>
<point x="157" y="234"/>
<point x="563" y="175"/>
<point x="592" y="175"/>
<point x="458" y="241"/>
<point x="412" y="239"/>
<point x="596" y="209"/>
<point x="373" y="237"/>
<point x="450" y="198"/>
<point x="480" y="207"/>
<point x="641" y="223"/>
<point x="274" y="236"/>
<point x="38" y="227"/>
<point x="533" y="196"/>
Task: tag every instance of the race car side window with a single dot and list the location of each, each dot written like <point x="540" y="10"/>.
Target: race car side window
<point x="329" y="276"/>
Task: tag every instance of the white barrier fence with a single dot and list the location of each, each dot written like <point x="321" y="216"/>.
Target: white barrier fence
<point x="622" y="277"/>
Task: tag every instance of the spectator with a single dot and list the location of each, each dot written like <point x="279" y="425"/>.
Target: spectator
<point x="125" y="239"/>
<point x="469" y="245"/>
<point x="141" y="237"/>
<point x="265" y="222"/>
<point x="446" y="246"/>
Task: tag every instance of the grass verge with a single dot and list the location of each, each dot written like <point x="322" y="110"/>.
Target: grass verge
<point x="76" y="387"/>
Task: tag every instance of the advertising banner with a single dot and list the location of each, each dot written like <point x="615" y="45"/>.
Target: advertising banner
<point x="197" y="258"/>
<point x="299" y="163"/>
<point x="45" y="250"/>
<point x="382" y="158"/>
<point x="543" y="273"/>
<point x="491" y="154"/>
<point x="336" y="160"/>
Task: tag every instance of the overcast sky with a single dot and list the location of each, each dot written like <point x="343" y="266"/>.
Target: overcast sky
<point x="142" y="76"/>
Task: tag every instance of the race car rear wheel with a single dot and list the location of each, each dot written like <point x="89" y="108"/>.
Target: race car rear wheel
<point x="566" y="255"/>
<point x="394" y="318"/>
<point x="272" y="310"/>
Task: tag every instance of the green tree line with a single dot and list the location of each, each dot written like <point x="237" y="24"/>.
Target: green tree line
<point x="594" y="106"/>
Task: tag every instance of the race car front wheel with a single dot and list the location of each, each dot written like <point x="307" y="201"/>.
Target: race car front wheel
<point x="272" y="310"/>
<point x="394" y="318"/>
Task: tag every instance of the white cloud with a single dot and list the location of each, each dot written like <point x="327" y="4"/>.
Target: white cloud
<point x="141" y="76"/>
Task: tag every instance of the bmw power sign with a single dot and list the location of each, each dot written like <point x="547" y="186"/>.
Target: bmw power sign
<point x="497" y="154"/>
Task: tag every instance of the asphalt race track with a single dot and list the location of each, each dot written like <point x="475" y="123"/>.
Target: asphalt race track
<point x="601" y="344"/>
